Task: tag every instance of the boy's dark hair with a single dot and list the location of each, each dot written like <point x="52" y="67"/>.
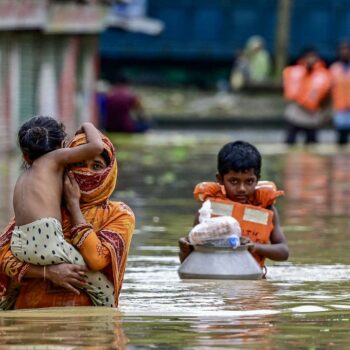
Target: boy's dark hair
<point x="239" y="156"/>
<point x="40" y="135"/>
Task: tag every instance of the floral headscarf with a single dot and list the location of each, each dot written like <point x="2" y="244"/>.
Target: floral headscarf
<point x="96" y="187"/>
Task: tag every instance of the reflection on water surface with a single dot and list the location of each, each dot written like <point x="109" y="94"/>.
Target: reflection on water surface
<point x="304" y="303"/>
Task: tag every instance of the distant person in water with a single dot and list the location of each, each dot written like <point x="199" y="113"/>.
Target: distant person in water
<point x="340" y="73"/>
<point x="306" y="89"/>
<point x="124" y="111"/>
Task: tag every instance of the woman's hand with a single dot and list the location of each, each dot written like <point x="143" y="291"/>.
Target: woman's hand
<point x="68" y="276"/>
<point x="71" y="191"/>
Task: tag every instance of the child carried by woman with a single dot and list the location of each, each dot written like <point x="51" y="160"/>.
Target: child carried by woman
<point x="38" y="236"/>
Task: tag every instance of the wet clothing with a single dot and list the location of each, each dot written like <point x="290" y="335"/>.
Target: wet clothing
<point x="342" y="120"/>
<point x="299" y="116"/>
<point x="305" y="91"/>
<point x="342" y="131"/>
<point x="310" y="134"/>
<point x="255" y="218"/>
<point x="42" y="243"/>
<point x="103" y="242"/>
<point x="340" y="73"/>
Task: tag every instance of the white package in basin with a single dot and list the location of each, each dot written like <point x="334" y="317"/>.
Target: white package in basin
<point x="216" y="228"/>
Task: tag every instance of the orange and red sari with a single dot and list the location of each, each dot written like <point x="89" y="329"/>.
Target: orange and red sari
<point x="104" y="242"/>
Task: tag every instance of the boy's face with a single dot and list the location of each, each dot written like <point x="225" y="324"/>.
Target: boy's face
<point x="239" y="186"/>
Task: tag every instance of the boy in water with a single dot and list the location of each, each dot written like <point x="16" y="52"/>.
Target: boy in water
<point x="38" y="237"/>
<point x="238" y="186"/>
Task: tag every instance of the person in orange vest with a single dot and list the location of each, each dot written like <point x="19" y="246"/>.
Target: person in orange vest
<point x="306" y="87"/>
<point x="340" y="73"/>
<point x="239" y="193"/>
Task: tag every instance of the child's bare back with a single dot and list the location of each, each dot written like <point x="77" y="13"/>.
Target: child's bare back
<point x="38" y="190"/>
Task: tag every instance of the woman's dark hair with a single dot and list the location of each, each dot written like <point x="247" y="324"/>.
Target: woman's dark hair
<point x="40" y="135"/>
<point x="239" y="156"/>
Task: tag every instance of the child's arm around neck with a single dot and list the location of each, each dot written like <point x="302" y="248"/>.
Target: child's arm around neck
<point x="92" y="148"/>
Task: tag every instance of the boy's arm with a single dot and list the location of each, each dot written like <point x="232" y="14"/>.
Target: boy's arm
<point x="278" y="249"/>
<point x="186" y="248"/>
<point x="92" y="148"/>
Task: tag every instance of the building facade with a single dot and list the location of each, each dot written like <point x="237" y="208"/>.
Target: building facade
<point x="48" y="63"/>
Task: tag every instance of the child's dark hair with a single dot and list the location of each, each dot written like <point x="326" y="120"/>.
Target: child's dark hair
<point x="239" y="156"/>
<point x="105" y="156"/>
<point x="40" y="135"/>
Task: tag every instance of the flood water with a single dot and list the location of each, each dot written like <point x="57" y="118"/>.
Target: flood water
<point x="303" y="304"/>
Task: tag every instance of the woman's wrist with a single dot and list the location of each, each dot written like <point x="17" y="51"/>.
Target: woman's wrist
<point x="47" y="273"/>
<point x="73" y="205"/>
<point x="76" y="215"/>
<point x="34" y="271"/>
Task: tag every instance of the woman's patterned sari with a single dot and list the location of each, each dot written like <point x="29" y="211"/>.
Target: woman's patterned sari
<point x="106" y="238"/>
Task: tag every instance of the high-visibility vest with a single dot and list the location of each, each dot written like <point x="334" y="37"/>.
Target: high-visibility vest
<point x="306" y="89"/>
<point x="340" y="87"/>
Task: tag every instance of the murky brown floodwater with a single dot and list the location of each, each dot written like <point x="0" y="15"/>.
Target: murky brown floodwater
<point x="304" y="303"/>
